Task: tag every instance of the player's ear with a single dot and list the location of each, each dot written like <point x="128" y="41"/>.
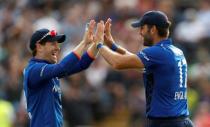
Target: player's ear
<point x="38" y="46"/>
<point x="153" y="29"/>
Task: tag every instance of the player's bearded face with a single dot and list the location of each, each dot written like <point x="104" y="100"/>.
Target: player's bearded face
<point x="146" y="34"/>
<point x="51" y="52"/>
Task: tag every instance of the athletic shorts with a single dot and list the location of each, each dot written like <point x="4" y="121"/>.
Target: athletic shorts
<point x="169" y="122"/>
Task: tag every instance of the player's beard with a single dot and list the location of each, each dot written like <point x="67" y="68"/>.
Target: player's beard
<point x="148" y="40"/>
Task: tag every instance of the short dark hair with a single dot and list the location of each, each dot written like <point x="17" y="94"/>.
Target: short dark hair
<point x="162" y="32"/>
<point x="34" y="51"/>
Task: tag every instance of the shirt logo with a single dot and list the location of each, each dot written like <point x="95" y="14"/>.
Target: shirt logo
<point x="29" y="115"/>
<point x="56" y="87"/>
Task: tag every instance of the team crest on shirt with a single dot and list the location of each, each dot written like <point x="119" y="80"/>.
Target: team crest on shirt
<point x="56" y="89"/>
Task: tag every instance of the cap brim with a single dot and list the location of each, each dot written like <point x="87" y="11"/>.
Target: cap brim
<point x="136" y="24"/>
<point x="59" y="38"/>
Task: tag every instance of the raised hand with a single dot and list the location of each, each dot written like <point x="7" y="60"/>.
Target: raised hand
<point x="88" y="36"/>
<point x="99" y="34"/>
<point x="108" y="40"/>
<point x="87" y="39"/>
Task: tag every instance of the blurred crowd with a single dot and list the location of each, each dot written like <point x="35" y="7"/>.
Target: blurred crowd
<point x="101" y="96"/>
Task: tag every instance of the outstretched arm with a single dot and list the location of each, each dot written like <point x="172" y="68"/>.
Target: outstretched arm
<point x="86" y="60"/>
<point x="121" y="61"/>
<point x="117" y="60"/>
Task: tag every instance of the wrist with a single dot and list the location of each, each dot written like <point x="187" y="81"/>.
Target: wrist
<point x="99" y="45"/>
<point x="114" y="47"/>
<point x="76" y="54"/>
<point x="84" y="42"/>
<point x="91" y="55"/>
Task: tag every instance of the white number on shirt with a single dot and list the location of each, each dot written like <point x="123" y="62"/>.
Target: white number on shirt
<point x="182" y="73"/>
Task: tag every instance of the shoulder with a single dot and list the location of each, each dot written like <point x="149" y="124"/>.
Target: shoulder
<point x="176" y="50"/>
<point x="151" y="55"/>
<point x="156" y="54"/>
<point x="154" y="51"/>
<point x="35" y="68"/>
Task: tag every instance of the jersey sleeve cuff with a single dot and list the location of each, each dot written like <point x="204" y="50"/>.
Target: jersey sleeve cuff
<point x="78" y="56"/>
<point x="141" y="57"/>
<point x="90" y="55"/>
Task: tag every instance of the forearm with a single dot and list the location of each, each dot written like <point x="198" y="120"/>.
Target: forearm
<point x="121" y="50"/>
<point x="110" y="56"/>
<point x="116" y="48"/>
<point x="83" y="64"/>
<point x="93" y="51"/>
<point x="80" y="48"/>
<point x="121" y="61"/>
<point x="67" y="62"/>
<point x="85" y="60"/>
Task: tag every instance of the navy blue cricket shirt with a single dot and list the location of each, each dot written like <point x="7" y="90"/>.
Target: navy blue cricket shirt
<point x="165" y="80"/>
<point x="42" y="88"/>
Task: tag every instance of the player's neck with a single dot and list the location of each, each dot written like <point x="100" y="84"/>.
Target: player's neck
<point x="158" y="39"/>
<point x="39" y="56"/>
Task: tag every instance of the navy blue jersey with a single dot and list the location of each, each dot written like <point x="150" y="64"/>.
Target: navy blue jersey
<point x="165" y="80"/>
<point x="42" y="88"/>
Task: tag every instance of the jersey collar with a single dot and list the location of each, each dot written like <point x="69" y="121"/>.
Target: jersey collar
<point x="39" y="60"/>
<point x="165" y="41"/>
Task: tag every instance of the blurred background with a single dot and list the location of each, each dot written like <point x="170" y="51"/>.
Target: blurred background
<point x="101" y="96"/>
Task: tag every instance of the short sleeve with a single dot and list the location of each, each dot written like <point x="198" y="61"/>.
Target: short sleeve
<point x="150" y="56"/>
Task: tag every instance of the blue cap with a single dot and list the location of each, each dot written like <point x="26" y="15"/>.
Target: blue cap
<point x="45" y="35"/>
<point x="157" y="18"/>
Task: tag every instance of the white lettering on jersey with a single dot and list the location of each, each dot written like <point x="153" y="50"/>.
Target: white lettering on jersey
<point x="180" y="95"/>
<point x="144" y="55"/>
<point x="176" y="51"/>
<point x="56" y="88"/>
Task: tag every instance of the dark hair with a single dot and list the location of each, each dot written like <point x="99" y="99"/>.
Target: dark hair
<point x="34" y="51"/>
<point x="162" y="32"/>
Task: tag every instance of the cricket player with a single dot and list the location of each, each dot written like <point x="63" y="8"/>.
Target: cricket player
<point x="165" y="69"/>
<point x="42" y="74"/>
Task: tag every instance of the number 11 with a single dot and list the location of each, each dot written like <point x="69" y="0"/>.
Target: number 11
<point x="182" y="73"/>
